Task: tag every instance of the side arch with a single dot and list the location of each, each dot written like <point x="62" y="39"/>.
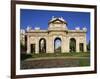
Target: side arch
<point x="57" y="45"/>
<point x="42" y="45"/>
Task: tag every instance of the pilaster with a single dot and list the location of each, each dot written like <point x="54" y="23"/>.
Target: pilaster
<point x="28" y="45"/>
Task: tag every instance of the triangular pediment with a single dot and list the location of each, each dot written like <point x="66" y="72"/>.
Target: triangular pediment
<point x="57" y="20"/>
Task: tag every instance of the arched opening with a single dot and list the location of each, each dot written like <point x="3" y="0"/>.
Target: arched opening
<point x="72" y="45"/>
<point x="57" y="45"/>
<point x="42" y="45"/>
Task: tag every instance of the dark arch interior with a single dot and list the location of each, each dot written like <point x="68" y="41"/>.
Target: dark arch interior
<point x="72" y="45"/>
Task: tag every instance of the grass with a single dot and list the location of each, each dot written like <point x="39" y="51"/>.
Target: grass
<point x="85" y="61"/>
<point x="41" y="55"/>
<point x="74" y="54"/>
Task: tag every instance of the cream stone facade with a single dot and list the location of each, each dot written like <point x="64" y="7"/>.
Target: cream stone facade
<point x="37" y="40"/>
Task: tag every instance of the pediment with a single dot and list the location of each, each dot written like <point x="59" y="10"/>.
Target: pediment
<point x="58" y="21"/>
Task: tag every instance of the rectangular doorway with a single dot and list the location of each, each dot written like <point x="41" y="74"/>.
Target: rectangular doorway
<point x="32" y="48"/>
<point x="81" y="45"/>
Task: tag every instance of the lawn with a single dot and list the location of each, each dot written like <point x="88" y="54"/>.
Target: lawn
<point x="48" y="55"/>
<point x="51" y="60"/>
<point x="74" y="54"/>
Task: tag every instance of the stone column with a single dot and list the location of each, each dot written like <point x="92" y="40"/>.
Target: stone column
<point x="28" y="45"/>
<point x="37" y="45"/>
<point x="77" y="45"/>
<point x="64" y="45"/>
<point x="85" y="49"/>
<point x="51" y="45"/>
<point x="48" y="45"/>
<point x="67" y="44"/>
<point x="85" y="46"/>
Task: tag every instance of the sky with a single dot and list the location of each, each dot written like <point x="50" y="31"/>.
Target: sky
<point x="40" y="18"/>
<point x="57" y="43"/>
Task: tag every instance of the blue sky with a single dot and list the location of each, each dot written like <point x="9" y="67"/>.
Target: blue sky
<point x="40" y="18"/>
<point x="57" y="43"/>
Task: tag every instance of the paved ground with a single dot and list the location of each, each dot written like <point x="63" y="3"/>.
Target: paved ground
<point x="53" y="62"/>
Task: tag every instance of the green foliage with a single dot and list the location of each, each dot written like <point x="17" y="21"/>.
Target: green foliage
<point x="47" y="55"/>
<point x="88" y="46"/>
<point x="84" y="62"/>
<point x="25" y="56"/>
<point x="74" y="54"/>
<point x="22" y="47"/>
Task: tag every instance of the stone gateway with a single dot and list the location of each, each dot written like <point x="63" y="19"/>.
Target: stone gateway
<point x="57" y="38"/>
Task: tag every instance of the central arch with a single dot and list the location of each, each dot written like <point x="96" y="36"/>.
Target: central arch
<point x="42" y="45"/>
<point x="57" y="45"/>
<point x="72" y="45"/>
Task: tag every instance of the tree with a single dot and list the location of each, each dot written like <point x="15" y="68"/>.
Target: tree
<point x="88" y="46"/>
<point x="22" y="47"/>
